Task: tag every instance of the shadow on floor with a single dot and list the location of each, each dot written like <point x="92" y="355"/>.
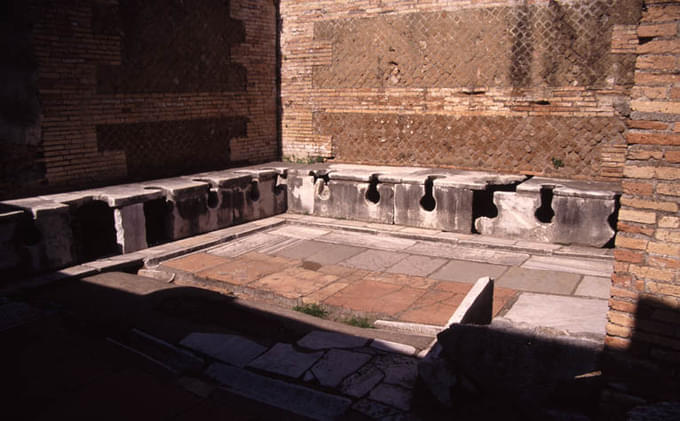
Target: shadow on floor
<point x="62" y="364"/>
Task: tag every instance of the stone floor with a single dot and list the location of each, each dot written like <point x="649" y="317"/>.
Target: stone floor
<point x="403" y="278"/>
<point x="118" y="345"/>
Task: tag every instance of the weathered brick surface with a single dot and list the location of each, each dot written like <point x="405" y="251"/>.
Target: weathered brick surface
<point x="646" y="280"/>
<point x="566" y="66"/>
<point x="478" y="142"/>
<point x="123" y="83"/>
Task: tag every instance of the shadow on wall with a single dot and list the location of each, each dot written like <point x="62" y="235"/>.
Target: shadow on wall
<point x="537" y="375"/>
<point x="20" y="142"/>
<point x="648" y="370"/>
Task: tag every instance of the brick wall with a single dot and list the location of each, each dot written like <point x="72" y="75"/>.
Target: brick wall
<point x="20" y="152"/>
<point x="138" y="89"/>
<point x="643" y="337"/>
<point x="497" y="85"/>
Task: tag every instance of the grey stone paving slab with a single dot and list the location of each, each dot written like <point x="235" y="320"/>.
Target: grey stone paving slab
<point x="362" y="382"/>
<point x="231" y="349"/>
<point x="482" y="255"/>
<point x="374" y="260"/>
<point x="367" y="240"/>
<point x="337" y="364"/>
<point x="417" y="265"/>
<point x="319" y="252"/>
<point x="395" y="396"/>
<point x="375" y="410"/>
<point x="461" y="271"/>
<point x="318" y="339"/>
<point x="290" y="397"/>
<point x="247" y="244"/>
<point x="564" y="264"/>
<point x="335" y="254"/>
<point x="546" y="281"/>
<point x="594" y="286"/>
<point x="298" y="231"/>
<point x="573" y="314"/>
<point x="399" y="370"/>
<point x="394" y="347"/>
<point x="283" y="359"/>
<point x="301" y="249"/>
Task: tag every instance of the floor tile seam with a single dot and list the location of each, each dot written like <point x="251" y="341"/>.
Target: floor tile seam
<point x="398" y="316"/>
<point x="576" y="285"/>
<point x="236" y="287"/>
<point x="339" y="385"/>
<point x="506" y="270"/>
<point x="361" y="250"/>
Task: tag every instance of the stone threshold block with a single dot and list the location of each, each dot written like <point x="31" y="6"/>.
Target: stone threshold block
<point x="555" y="211"/>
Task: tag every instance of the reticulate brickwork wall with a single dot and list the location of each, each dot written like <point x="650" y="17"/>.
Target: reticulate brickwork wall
<point x="537" y="87"/>
<point x="643" y="337"/>
<point x="139" y="89"/>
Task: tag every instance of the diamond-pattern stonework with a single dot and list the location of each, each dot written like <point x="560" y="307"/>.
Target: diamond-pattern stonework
<point x="553" y="45"/>
<point x="482" y="142"/>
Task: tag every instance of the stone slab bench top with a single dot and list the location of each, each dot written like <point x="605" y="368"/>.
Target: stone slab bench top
<point x="574" y="188"/>
<point x="196" y="184"/>
<point x="227" y="178"/>
<point x="178" y="187"/>
<point x="36" y="205"/>
<point x="473" y="180"/>
<point x="115" y="196"/>
<point x="259" y="173"/>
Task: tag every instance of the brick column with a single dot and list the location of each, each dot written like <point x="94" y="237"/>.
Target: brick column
<point x="643" y="330"/>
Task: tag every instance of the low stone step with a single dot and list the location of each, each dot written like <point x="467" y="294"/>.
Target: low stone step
<point x="287" y="396"/>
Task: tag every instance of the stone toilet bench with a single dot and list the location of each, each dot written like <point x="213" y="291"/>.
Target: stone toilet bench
<point x="555" y="211"/>
<point x="54" y="231"/>
<point x="515" y="206"/>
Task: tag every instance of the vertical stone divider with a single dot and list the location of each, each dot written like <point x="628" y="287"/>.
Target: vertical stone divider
<point x="10" y="220"/>
<point x="643" y="334"/>
<point x="130" y="226"/>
